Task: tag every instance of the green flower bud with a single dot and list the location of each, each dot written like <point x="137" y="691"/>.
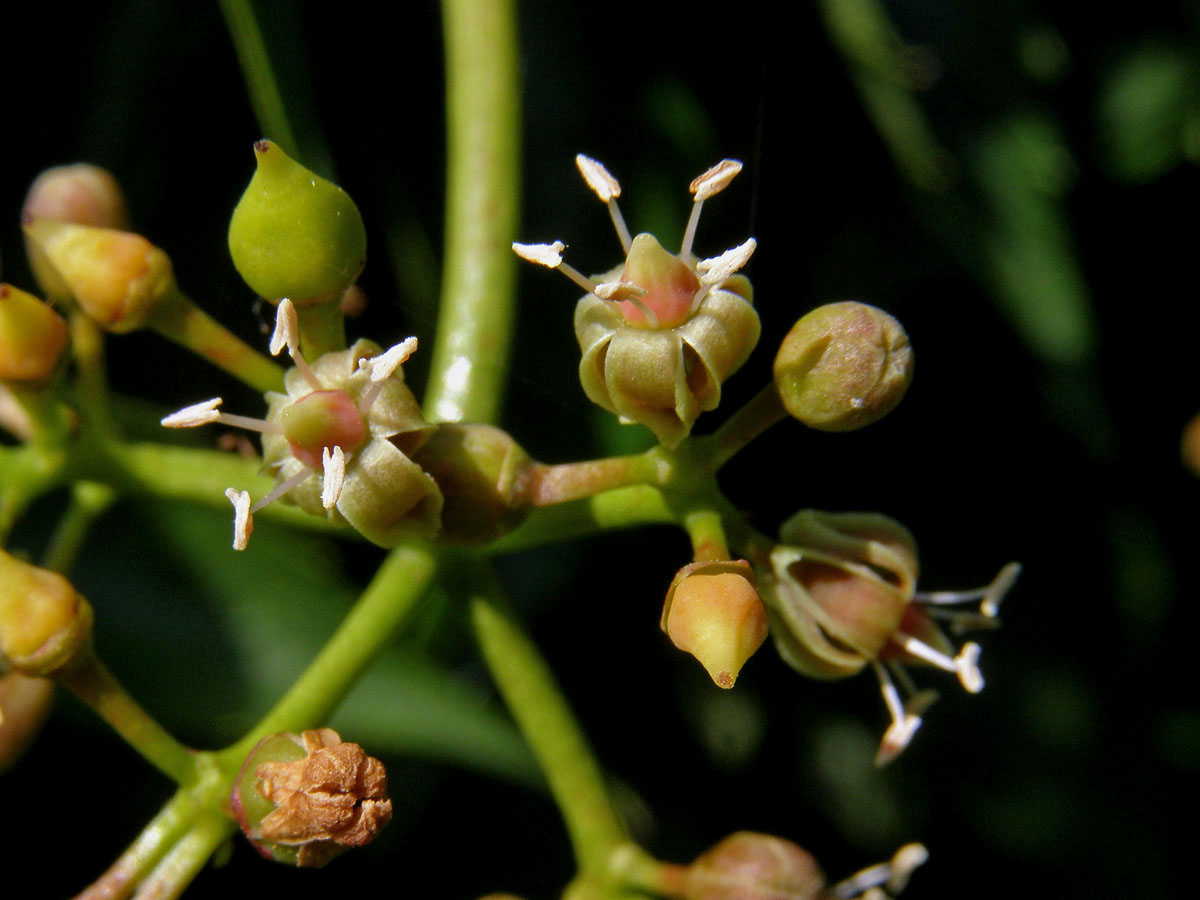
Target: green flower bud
<point x="32" y="338"/>
<point x="480" y="471"/>
<point x="752" y="866"/>
<point x="45" y="626"/>
<point x="303" y="799"/>
<point x="713" y="612"/>
<point x="838" y="589"/>
<point x="843" y="366"/>
<point x="117" y="278"/>
<point x="294" y="234"/>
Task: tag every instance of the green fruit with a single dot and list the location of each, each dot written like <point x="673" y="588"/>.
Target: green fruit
<point x="294" y="234"/>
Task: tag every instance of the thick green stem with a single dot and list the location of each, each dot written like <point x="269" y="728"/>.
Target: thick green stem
<point x="96" y="687"/>
<point x="707" y="532"/>
<point x="183" y="322"/>
<point x="470" y="357"/>
<point x="322" y="327"/>
<point x="368" y="627"/>
<point x="620" y="508"/>
<point x="533" y="697"/>
<point x="548" y="485"/>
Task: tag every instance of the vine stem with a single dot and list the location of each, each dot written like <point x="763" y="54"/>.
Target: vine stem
<point x="367" y="628"/>
<point x="533" y="697"/>
<point x="470" y="357"/>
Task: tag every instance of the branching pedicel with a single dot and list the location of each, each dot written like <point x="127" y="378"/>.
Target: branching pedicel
<point x="344" y="439"/>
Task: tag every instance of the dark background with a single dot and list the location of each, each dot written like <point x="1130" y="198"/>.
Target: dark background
<point x="1043" y="424"/>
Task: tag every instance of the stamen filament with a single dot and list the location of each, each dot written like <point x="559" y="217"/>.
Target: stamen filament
<point x="249" y="423"/>
<point x="618" y="221"/>
<point x="689" y="233"/>
<point x="608" y="189"/>
<point x="282" y="488"/>
<point x="287" y="333"/>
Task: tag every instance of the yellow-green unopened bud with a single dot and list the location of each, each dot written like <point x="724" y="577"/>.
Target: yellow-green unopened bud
<point x="843" y="366"/>
<point x="32" y="337"/>
<point x="481" y="472"/>
<point x="45" y="626"/>
<point x="79" y="193"/>
<point x="117" y="278"/>
<point x="294" y="234"/>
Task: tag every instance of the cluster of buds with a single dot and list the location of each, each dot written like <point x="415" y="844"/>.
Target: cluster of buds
<point x="661" y="332"/>
<point x="841" y="592"/>
<point x="302" y="799"/>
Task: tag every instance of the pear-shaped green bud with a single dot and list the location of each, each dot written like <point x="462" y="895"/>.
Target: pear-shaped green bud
<point x="294" y="234"/>
<point x="843" y="366"/>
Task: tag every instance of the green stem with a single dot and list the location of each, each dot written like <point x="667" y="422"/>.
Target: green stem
<point x="182" y="321"/>
<point x="322" y="327"/>
<point x="637" y="869"/>
<point x="88" y="502"/>
<point x="368" y="627"/>
<point x="705" y="528"/>
<point x="183" y="862"/>
<point x="762" y="411"/>
<point x="97" y="687"/>
<point x="533" y="697"/>
<point x="470" y="357"/>
<point x="548" y="485"/>
<point x="87" y="349"/>
<point x="620" y="508"/>
<point x="265" y="97"/>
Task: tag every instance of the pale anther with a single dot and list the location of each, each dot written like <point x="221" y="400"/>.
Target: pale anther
<point x="715" y="179"/>
<point x="998" y="588"/>
<point x="907" y="860"/>
<point x="898" y="736"/>
<point x="619" y="290"/>
<point x="334" y="467"/>
<point x="196" y="414"/>
<point x="598" y="178"/>
<point x="382" y="366"/>
<point x="716" y="269"/>
<point x="548" y="255"/>
<point x="894" y="873"/>
<point x="966" y="666"/>
<point x="243" y="521"/>
<point x="287" y="329"/>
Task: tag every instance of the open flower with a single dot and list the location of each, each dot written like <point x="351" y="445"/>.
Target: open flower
<point x="339" y="441"/>
<point x="661" y="332"/>
<point x="841" y="594"/>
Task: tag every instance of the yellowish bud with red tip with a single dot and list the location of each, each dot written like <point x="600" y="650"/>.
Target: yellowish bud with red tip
<point x="45" y="625"/>
<point x="843" y="366"/>
<point x="713" y="612"/>
<point x="32" y="338"/>
<point x="117" y="278"/>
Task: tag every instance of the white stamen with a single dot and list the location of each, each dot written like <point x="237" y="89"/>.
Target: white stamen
<point x="918" y="648"/>
<point x="287" y="329"/>
<point x="619" y="290"/>
<point x="608" y="189"/>
<point x="287" y="334"/>
<point x="715" y="179"/>
<point x="998" y="588"/>
<point x="905" y="719"/>
<point x="548" y="255"/>
<point x="966" y="666"/>
<point x="243" y="518"/>
<point x="382" y="366"/>
<point x="716" y="269"/>
<point x="250" y="424"/>
<point x="598" y="178"/>
<point x="894" y="874"/>
<point x="897" y="737"/>
<point x="334" y="467"/>
<point x="194" y="415"/>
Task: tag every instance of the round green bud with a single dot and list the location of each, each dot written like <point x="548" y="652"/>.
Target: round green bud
<point x="843" y="366"/>
<point x="294" y="234"/>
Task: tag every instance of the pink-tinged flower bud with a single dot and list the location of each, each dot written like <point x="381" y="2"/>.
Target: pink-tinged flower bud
<point x="481" y="471"/>
<point x="117" y="278"/>
<point x="24" y="704"/>
<point x="81" y="193"/>
<point x="843" y="366"/>
<point x="752" y="866"/>
<point x="45" y="626"/>
<point x="713" y="612"/>
<point x="32" y="338"/>
<point x="302" y="799"/>
<point x="293" y="234"/>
